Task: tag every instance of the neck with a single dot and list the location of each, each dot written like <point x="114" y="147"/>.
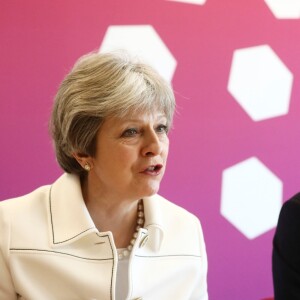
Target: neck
<point x="110" y="212"/>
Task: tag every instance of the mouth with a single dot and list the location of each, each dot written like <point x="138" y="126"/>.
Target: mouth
<point x="153" y="170"/>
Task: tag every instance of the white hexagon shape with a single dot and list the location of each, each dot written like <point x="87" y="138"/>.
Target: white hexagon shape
<point x="198" y="2"/>
<point x="285" y="9"/>
<point x="260" y="82"/>
<point x="143" y="41"/>
<point x="251" y="197"/>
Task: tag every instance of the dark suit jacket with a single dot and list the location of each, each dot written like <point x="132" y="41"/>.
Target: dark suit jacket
<point x="286" y="252"/>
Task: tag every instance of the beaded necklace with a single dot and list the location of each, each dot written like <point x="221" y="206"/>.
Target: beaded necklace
<point x="139" y="224"/>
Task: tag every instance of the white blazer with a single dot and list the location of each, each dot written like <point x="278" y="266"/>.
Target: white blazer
<point x="50" y="249"/>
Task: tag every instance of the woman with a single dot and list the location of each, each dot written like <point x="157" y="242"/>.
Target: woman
<point x="101" y="231"/>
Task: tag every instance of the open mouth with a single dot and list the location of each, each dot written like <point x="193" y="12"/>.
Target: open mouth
<point x="154" y="169"/>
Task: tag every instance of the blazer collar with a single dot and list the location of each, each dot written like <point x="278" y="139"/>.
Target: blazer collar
<point x="154" y="221"/>
<point x="70" y="219"/>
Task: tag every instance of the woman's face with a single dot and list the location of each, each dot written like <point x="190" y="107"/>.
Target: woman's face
<point x="131" y="155"/>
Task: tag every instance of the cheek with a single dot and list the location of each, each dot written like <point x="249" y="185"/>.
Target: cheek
<point x="166" y="148"/>
<point x="127" y="156"/>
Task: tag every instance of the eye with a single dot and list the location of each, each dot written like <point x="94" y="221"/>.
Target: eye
<point x="130" y="132"/>
<point x="162" y="128"/>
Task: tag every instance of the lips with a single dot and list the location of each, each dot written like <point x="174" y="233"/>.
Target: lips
<point x="153" y="170"/>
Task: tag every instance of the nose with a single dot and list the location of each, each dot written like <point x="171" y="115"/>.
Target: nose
<point x="152" y="144"/>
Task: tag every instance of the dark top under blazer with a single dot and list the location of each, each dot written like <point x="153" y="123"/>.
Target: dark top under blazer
<point x="286" y="252"/>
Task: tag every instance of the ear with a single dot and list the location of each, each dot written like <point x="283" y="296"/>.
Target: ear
<point x="84" y="160"/>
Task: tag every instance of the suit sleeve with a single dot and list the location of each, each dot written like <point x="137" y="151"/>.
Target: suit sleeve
<point x="286" y="252"/>
<point x="200" y="291"/>
<point x="7" y="290"/>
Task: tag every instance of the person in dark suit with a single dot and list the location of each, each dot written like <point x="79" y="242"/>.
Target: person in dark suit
<point x="286" y="252"/>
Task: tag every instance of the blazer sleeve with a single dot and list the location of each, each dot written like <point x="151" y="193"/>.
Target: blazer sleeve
<point x="200" y="291"/>
<point x="7" y="290"/>
<point x="286" y="252"/>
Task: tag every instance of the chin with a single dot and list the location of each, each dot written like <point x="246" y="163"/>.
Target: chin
<point x="151" y="190"/>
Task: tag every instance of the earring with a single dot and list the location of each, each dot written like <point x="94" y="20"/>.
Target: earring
<point x="87" y="167"/>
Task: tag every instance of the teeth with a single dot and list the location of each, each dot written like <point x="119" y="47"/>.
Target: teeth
<point x="151" y="168"/>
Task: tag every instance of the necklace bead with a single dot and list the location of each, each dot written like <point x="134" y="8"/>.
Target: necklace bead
<point x="140" y="221"/>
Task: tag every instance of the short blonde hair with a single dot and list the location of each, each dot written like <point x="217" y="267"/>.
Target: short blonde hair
<point x="99" y="86"/>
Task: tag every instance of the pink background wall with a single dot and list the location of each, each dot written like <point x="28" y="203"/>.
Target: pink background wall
<point x="40" y="41"/>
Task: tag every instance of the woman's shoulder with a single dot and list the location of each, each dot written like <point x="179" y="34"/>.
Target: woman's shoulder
<point x="40" y="194"/>
<point x="176" y="216"/>
<point x="27" y="201"/>
<point x="173" y="209"/>
<point x="181" y="228"/>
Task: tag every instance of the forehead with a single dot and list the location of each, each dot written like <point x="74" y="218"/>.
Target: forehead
<point x="143" y="115"/>
<point x="139" y="114"/>
<point x="134" y="117"/>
